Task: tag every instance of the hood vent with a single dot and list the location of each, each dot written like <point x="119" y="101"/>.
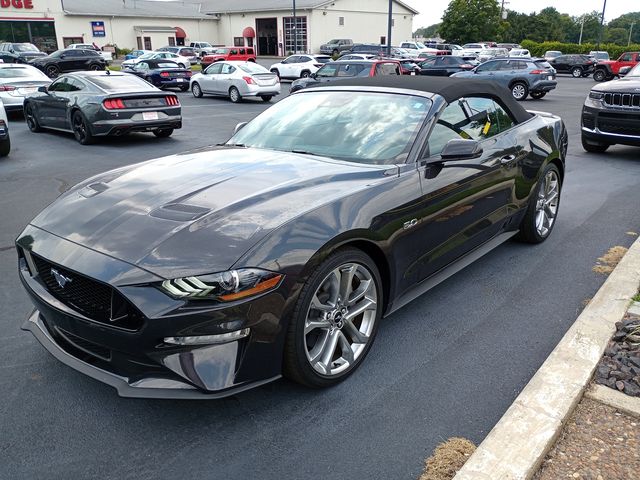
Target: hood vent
<point x="179" y="212"/>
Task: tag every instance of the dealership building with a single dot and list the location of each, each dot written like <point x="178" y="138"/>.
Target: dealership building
<point x="269" y="25"/>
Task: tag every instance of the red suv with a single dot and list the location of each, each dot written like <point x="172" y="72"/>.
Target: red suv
<point x="341" y="69"/>
<point x="241" y="54"/>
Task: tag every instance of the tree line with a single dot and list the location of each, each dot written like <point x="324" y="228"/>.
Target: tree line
<point x="467" y="21"/>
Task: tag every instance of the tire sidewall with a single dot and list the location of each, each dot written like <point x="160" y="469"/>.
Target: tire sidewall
<point x="531" y="213"/>
<point x="308" y="375"/>
<point x="578" y="71"/>
<point x="524" y="86"/>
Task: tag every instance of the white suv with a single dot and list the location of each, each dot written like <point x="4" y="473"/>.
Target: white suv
<point x="418" y="47"/>
<point x="299" y="66"/>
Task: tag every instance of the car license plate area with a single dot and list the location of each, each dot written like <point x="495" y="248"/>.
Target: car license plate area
<point x="150" y="115"/>
<point x="550" y="77"/>
<point x="144" y="102"/>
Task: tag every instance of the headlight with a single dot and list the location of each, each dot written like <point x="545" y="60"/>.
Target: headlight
<point x="224" y="286"/>
<point x="596" y="95"/>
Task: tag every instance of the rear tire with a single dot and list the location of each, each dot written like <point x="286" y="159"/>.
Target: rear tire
<point x="184" y="88"/>
<point x="5" y="147"/>
<point x="576" y="72"/>
<point x="543" y="207"/>
<point x="537" y="95"/>
<point x="234" y="95"/>
<point x="339" y="307"/>
<point x="94" y="67"/>
<point x="266" y="98"/>
<point x="594" y="147"/>
<point x="276" y="72"/>
<point x="163" y="132"/>
<point x="30" y="117"/>
<point x="600" y="75"/>
<point x="52" y="71"/>
<point x="196" y="90"/>
<point x="305" y="74"/>
<point x="81" y="129"/>
<point x="519" y="91"/>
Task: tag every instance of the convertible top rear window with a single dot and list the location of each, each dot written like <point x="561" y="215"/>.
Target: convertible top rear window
<point x="363" y="127"/>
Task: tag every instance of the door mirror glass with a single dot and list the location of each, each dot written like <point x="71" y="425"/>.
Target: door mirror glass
<point x="624" y="71"/>
<point x="43" y="89"/>
<point x="460" y="149"/>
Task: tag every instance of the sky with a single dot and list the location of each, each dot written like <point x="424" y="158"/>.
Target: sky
<point x="431" y="10"/>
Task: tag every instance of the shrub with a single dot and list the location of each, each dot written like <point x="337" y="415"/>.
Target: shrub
<point x="538" y="49"/>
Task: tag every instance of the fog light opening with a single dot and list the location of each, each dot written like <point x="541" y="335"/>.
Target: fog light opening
<point x="209" y="339"/>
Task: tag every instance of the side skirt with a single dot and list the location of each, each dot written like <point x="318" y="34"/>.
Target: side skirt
<point x="448" y="271"/>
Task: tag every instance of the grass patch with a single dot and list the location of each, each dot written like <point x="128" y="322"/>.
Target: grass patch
<point x="609" y="260"/>
<point x="115" y="68"/>
<point x="447" y="459"/>
<point x="636" y="297"/>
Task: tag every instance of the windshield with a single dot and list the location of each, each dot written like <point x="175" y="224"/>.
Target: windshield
<point x="363" y="127"/>
<point x="22" y="72"/>
<point x="121" y="83"/>
<point x="205" y="44"/>
<point x="635" y="71"/>
<point x="221" y="51"/>
<point x="333" y="42"/>
<point x="146" y="56"/>
<point x="25" y="47"/>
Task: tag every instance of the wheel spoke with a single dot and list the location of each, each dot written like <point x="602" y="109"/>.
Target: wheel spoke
<point x="360" y="292"/>
<point x="346" y="281"/>
<point x="315" y="354"/>
<point x="366" y="304"/>
<point x="311" y="325"/>
<point x="316" y="304"/>
<point x="334" y="287"/>
<point x="356" y="335"/>
<point x="345" y="348"/>
<point x="329" y="351"/>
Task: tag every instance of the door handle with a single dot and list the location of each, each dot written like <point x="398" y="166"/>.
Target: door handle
<point x="507" y="159"/>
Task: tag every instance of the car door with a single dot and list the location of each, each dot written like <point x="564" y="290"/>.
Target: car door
<point x="71" y="60"/>
<point x="488" y="69"/>
<point x="210" y="77"/>
<point x="225" y="80"/>
<point x="66" y="98"/>
<point x="466" y="203"/>
<point x="45" y="105"/>
<point x="560" y="64"/>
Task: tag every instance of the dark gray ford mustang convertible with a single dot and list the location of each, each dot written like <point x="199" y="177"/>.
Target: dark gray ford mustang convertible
<point x="206" y="273"/>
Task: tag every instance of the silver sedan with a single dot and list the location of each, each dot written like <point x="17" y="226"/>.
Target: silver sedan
<point x="17" y="81"/>
<point x="236" y="80"/>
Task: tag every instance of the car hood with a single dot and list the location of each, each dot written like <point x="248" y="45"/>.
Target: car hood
<point x="29" y="55"/>
<point x="626" y="85"/>
<point x="198" y="212"/>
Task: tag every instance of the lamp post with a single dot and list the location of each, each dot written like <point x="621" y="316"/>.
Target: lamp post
<point x="630" y="31"/>
<point x="295" y="31"/>
<point x="604" y="7"/>
<point x="581" y="29"/>
<point x="389" y="25"/>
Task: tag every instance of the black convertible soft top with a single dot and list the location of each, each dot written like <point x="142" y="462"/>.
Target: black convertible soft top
<point x="450" y="88"/>
<point x="156" y="62"/>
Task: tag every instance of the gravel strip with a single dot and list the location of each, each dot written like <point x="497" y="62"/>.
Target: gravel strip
<point x="597" y="443"/>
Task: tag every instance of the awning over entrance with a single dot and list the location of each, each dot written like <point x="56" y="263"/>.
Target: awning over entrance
<point x="180" y="33"/>
<point x="249" y="32"/>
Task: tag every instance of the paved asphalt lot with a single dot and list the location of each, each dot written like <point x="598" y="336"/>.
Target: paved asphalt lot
<point x="448" y="364"/>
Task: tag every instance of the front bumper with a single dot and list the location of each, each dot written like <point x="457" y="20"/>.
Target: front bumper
<point x="133" y="358"/>
<point x="608" y="125"/>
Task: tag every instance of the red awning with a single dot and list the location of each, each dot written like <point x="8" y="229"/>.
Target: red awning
<point x="180" y="33"/>
<point x="249" y="32"/>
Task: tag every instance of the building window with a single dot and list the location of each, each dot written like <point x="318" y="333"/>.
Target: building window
<point x="341" y="21"/>
<point x="41" y="34"/>
<point x="238" y="41"/>
<point x="66" y="41"/>
<point x="172" y="41"/>
<point x="249" y="42"/>
<point x="383" y="40"/>
<point x="139" y="42"/>
<point x="147" y="43"/>
<point x="295" y="39"/>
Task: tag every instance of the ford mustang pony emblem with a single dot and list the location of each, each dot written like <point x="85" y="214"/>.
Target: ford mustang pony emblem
<point x="61" y="279"/>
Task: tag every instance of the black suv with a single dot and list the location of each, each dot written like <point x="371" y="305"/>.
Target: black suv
<point x="70" y="60"/>
<point x="19" y="52"/>
<point x="611" y="114"/>
<point x="577" y="65"/>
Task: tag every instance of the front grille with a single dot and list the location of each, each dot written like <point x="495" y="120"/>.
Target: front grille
<point x="93" y="299"/>
<point x="622" y="100"/>
<point x="621" y="128"/>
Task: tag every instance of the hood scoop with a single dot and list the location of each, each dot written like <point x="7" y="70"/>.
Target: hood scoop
<point x="179" y="212"/>
<point x="93" y="189"/>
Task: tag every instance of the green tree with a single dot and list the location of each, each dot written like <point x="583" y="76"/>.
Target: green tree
<point x="618" y="35"/>
<point x="428" y="32"/>
<point x="625" y="21"/>
<point x="467" y="21"/>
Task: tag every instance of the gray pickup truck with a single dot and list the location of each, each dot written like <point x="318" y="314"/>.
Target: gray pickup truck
<point x="337" y="45"/>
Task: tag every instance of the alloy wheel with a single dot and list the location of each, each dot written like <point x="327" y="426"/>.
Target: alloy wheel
<point x="577" y="72"/>
<point x="195" y="89"/>
<point x="341" y="319"/>
<point x="79" y="128"/>
<point x="519" y="91"/>
<point x="32" y="123"/>
<point x="234" y="95"/>
<point x="547" y="203"/>
<point x="52" y="71"/>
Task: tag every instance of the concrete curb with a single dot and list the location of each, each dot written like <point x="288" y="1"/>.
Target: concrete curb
<point x="517" y="445"/>
<point x="615" y="399"/>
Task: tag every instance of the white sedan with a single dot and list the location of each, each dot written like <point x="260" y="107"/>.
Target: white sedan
<point x="179" y="59"/>
<point x="299" y="66"/>
<point x="5" y="141"/>
<point x="236" y="80"/>
<point x="18" y="80"/>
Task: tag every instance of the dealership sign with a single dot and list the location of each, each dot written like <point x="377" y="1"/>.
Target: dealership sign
<point x="28" y="4"/>
<point x="98" y="29"/>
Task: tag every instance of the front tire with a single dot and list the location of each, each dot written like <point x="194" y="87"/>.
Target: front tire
<point x="594" y="147"/>
<point x="81" y="129"/>
<point x="335" y="320"/>
<point x="600" y="75"/>
<point x="576" y="72"/>
<point x="234" y="95"/>
<point x="519" y="90"/>
<point x="542" y="210"/>
<point x="30" y="117"/>
<point x="5" y="147"/>
<point x="52" y="71"/>
<point x="196" y="90"/>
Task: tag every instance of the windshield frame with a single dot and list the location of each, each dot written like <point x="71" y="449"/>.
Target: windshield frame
<point x="414" y="141"/>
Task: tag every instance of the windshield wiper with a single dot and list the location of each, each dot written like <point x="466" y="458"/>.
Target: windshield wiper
<point x="224" y="144"/>
<point x="304" y="152"/>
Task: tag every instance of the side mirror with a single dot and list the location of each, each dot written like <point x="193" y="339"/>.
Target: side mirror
<point x="624" y="70"/>
<point x="460" y="149"/>
<point x="43" y="89"/>
<point x="313" y="75"/>
<point x="239" y="127"/>
<point x="63" y="55"/>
